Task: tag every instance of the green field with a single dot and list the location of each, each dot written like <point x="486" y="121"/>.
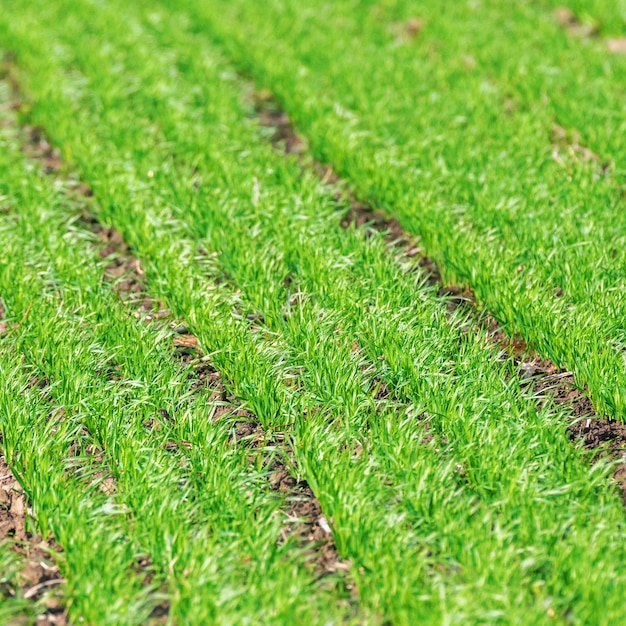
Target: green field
<point x="312" y="312"/>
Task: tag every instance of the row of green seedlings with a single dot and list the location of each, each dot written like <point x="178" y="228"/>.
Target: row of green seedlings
<point x="324" y="529"/>
<point x="30" y="578"/>
<point x="545" y="377"/>
<point x="523" y="300"/>
<point x="304" y="518"/>
<point x="609" y="436"/>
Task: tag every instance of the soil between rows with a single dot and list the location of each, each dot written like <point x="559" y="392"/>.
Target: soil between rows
<point x="39" y="577"/>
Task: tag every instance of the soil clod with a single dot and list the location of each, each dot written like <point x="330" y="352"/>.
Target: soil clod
<point x="617" y="45"/>
<point x="568" y="20"/>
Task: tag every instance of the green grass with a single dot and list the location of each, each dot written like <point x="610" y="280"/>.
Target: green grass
<point x="459" y="498"/>
<point x="189" y="508"/>
<point x="452" y="133"/>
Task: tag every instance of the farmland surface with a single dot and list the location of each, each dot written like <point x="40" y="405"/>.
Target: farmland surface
<point x="312" y="312"/>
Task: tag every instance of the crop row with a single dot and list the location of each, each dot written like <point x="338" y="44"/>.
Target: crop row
<point x="452" y="493"/>
<point x="494" y="133"/>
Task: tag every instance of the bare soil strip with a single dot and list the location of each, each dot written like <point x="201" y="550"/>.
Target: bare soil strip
<point x="607" y="438"/>
<point x="39" y="578"/>
<point x="305" y="519"/>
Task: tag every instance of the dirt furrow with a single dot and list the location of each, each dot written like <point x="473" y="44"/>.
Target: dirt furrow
<point x="305" y="519"/>
<point x="604" y="436"/>
<point x="39" y="579"/>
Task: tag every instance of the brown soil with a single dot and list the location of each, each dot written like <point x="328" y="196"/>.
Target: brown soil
<point x="606" y="437"/>
<point x="40" y="149"/>
<point x="616" y="45"/>
<point x="596" y="433"/>
<point x="39" y="579"/>
<point x="123" y="269"/>
<point x="568" y="20"/>
<point x="304" y="516"/>
<point x="3" y="325"/>
<point x="271" y="117"/>
<point x="406" y="31"/>
<point x="568" y="147"/>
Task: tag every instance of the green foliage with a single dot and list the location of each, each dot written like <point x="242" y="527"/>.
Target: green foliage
<point x="494" y="134"/>
<point x="455" y="498"/>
